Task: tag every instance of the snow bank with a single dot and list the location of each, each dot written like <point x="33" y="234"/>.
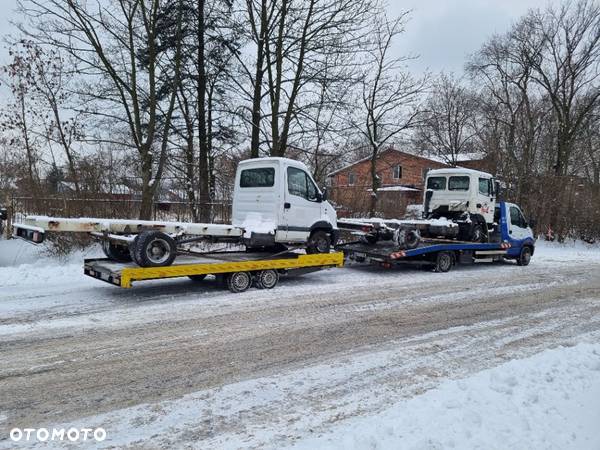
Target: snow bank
<point x="549" y="401"/>
<point x="15" y="251"/>
<point x="25" y="264"/>
<point x="570" y="251"/>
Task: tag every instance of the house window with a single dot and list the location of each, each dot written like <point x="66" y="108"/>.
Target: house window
<point x="397" y="172"/>
<point x="351" y="178"/>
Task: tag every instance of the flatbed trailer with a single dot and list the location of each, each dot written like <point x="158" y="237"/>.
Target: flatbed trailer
<point x="237" y="270"/>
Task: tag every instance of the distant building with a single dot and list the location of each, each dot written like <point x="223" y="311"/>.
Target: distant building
<point x="402" y="176"/>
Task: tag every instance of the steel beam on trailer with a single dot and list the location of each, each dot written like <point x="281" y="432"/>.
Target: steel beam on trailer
<point x="94" y="225"/>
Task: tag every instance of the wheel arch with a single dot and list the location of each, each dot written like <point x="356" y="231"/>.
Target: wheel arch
<point x="321" y="225"/>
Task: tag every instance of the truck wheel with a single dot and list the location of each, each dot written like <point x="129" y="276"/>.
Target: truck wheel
<point x="132" y="247"/>
<point x="116" y="252"/>
<point x="266" y="279"/>
<point x="197" y="278"/>
<point x="318" y="242"/>
<point x="408" y="239"/>
<point x="155" y="249"/>
<point x="524" y="257"/>
<point x="239" y="281"/>
<point x="443" y="262"/>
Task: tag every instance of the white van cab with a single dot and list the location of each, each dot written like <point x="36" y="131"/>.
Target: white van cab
<point x="280" y="202"/>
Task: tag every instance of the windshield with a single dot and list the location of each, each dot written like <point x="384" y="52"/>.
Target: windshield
<point x="458" y="183"/>
<point x="436" y="183"/>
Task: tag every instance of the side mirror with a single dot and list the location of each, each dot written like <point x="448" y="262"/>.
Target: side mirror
<point x="532" y="223"/>
<point x="497" y="189"/>
<point x="324" y="195"/>
<point x="3" y="214"/>
<point x="319" y="197"/>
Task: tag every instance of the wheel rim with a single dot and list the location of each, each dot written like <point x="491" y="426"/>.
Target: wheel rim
<point x="158" y="251"/>
<point x="268" y="278"/>
<point x="322" y="245"/>
<point x="240" y="281"/>
<point x="445" y="262"/>
<point x="412" y="238"/>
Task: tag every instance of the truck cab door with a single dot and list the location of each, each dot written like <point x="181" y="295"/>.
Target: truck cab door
<point x="302" y="206"/>
<point x="486" y="199"/>
<point x="518" y="227"/>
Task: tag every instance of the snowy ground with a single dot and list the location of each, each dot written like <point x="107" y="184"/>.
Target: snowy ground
<point x="346" y="358"/>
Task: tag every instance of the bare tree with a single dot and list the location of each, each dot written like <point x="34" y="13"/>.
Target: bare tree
<point x="22" y="120"/>
<point x="512" y="113"/>
<point x="390" y="96"/>
<point x="563" y="48"/>
<point x="292" y="41"/>
<point x="447" y="126"/>
<point x="116" y="44"/>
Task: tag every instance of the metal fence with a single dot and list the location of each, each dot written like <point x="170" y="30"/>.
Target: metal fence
<point x="113" y="209"/>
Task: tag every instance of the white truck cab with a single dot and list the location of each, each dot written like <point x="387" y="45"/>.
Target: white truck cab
<point x="451" y="192"/>
<point x="279" y="201"/>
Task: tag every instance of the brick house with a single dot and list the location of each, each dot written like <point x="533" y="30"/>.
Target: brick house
<point x="402" y="178"/>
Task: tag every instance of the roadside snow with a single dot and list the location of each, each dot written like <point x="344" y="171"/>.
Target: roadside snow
<point x="547" y="401"/>
<point x="550" y="400"/>
<point x="15" y="251"/>
<point x="571" y="251"/>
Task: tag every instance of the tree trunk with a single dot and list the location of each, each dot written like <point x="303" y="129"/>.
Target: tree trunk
<point x="203" y="185"/>
<point x="148" y="187"/>
<point x="258" y="79"/>
<point x="374" y="183"/>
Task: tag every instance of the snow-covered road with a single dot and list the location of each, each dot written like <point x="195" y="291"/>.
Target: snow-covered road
<point x="190" y="364"/>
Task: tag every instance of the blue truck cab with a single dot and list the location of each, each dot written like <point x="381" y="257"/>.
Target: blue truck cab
<point x="515" y="230"/>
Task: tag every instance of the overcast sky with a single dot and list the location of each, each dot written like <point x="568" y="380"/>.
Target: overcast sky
<point x="442" y="32"/>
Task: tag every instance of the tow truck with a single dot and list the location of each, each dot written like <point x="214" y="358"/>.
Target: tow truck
<point x="513" y="240"/>
<point x="462" y="223"/>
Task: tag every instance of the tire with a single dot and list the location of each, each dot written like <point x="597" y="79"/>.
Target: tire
<point x="197" y="278"/>
<point x="266" y="279"/>
<point x="239" y="282"/>
<point x="116" y="252"/>
<point x="408" y="239"/>
<point x="443" y="262"/>
<point x="318" y="242"/>
<point x="525" y="256"/>
<point x="154" y="249"/>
